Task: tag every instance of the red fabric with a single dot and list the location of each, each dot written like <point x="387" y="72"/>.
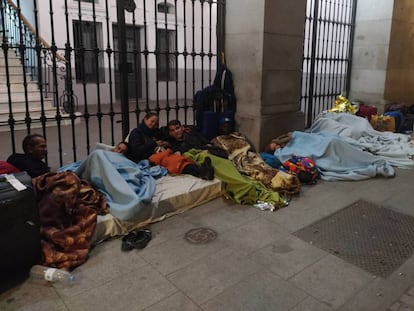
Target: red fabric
<point x="174" y="163"/>
<point x="7" y="168"/>
<point x="366" y="111"/>
<point x="303" y="167"/>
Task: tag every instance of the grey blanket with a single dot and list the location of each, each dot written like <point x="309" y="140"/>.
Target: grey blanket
<point x="396" y="149"/>
<point x="336" y="158"/>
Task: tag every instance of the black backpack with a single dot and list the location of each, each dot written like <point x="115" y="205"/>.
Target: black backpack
<point x="219" y="98"/>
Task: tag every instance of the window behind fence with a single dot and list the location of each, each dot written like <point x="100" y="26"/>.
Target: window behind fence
<point x="166" y="65"/>
<point x="97" y="66"/>
<point x="88" y="59"/>
<point x="328" y="42"/>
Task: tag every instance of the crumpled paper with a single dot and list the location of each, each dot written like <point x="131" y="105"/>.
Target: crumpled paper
<point x="264" y="206"/>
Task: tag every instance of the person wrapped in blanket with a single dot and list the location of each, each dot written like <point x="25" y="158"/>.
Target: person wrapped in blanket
<point x="303" y="167"/>
<point x="241" y="152"/>
<point x="68" y="206"/>
<point x="335" y="157"/>
<point x="237" y="187"/>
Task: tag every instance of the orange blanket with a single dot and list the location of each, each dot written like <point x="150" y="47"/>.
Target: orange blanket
<point x="173" y="162"/>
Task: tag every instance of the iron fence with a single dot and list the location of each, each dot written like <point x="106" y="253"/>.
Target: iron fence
<point x="327" y="59"/>
<point x="86" y="71"/>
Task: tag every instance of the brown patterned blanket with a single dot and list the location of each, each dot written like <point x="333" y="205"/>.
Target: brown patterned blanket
<point x="251" y="164"/>
<point x="68" y="208"/>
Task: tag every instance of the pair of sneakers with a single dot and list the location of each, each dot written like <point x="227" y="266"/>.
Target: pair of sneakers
<point x="136" y="239"/>
<point x="207" y="169"/>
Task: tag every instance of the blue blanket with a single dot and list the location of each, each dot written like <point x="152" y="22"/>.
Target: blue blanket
<point x="128" y="186"/>
<point x="395" y="148"/>
<point x="336" y="158"/>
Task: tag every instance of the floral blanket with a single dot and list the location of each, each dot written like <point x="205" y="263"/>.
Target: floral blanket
<point x="251" y="164"/>
<point x="68" y="208"/>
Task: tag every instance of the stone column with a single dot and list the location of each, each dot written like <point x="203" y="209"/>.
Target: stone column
<point x="264" y="49"/>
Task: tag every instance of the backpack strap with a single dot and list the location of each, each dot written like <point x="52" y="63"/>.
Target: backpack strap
<point x="223" y="78"/>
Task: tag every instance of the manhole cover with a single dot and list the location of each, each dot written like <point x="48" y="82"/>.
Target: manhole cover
<point x="200" y="236"/>
<point x="364" y="234"/>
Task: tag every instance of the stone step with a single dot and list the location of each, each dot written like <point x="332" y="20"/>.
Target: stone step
<point x="20" y="105"/>
<point x="33" y="95"/>
<point x="13" y="70"/>
<point x="18" y="93"/>
<point x="11" y="61"/>
<point x="20" y="116"/>
<point x="32" y="86"/>
<point x="16" y="77"/>
<point x="21" y="97"/>
<point x="51" y="122"/>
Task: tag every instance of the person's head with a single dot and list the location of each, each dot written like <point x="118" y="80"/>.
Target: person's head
<point x="122" y="147"/>
<point x="151" y="119"/>
<point x="225" y="126"/>
<point x="272" y="147"/>
<point x="175" y="130"/>
<point x="34" y="145"/>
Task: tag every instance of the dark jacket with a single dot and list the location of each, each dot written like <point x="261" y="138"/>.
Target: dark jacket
<point x="33" y="167"/>
<point x="194" y="140"/>
<point x="142" y="142"/>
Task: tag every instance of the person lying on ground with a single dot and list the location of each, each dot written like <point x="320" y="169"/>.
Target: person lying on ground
<point x="336" y="157"/>
<point x="278" y="142"/>
<point x="174" y="162"/>
<point x="31" y="161"/>
<point x="184" y="138"/>
<point x="237" y="187"/>
<point x="121" y="147"/>
<point x="241" y="152"/>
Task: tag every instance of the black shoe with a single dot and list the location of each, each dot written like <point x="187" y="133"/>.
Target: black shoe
<point x="207" y="169"/>
<point x="136" y="239"/>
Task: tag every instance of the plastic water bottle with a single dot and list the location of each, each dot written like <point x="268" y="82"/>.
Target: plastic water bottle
<point x="51" y="274"/>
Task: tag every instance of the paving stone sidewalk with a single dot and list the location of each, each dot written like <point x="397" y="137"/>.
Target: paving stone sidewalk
<point x="405" y="303"/>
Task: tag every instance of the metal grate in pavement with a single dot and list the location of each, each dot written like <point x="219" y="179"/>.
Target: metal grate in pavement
<point x="369" y="236"/>
<point x="200" y="236"/>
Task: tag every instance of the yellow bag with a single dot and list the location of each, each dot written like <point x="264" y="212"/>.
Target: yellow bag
<point x="383" y="123"/>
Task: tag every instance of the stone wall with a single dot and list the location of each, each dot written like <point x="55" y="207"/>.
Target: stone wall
<point x="400" y="70"/>
<point x="370" y="53"/>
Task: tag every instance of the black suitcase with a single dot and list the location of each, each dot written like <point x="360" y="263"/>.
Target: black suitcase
<point x="19" y="230"/>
